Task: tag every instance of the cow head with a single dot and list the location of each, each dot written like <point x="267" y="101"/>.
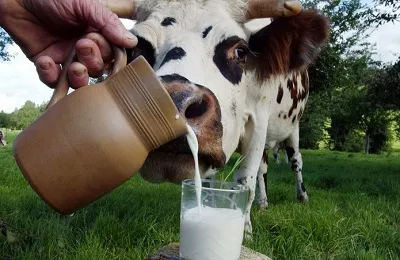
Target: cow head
<point x="209" y="61"/>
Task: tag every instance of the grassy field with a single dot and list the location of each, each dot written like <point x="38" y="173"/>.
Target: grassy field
<point x="353" y="213"/>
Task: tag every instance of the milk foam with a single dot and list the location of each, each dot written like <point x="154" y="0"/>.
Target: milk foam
<point x="214" y="234"/>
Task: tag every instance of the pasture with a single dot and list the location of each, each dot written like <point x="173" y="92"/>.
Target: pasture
<point x="353" y="213"/>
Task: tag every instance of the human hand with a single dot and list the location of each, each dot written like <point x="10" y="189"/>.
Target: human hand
<point x="47" y="31"/>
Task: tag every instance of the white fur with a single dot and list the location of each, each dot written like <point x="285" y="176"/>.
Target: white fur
<point x="256" y="125"/>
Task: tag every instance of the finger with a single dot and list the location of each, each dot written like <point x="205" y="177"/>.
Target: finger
<point x="47" y="70"/>
<point x="88" y="53"/>
<point x="107" y="23"/>
<point x="104" y="46"/>
<point x="78" y="75"/>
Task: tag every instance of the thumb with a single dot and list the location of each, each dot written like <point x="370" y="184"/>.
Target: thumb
<point x="108" y="23"/>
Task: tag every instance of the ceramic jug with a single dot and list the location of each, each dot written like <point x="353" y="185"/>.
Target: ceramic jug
<point x="91" y="141"/>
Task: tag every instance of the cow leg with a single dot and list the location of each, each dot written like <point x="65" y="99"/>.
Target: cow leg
<point x="252" y="147"/>
<point x="294" y="155"/>
<point x="263" y="181"/>
<point x="275" y="152"/>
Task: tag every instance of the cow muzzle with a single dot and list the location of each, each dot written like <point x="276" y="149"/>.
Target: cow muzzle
<point x="200" y="108"/>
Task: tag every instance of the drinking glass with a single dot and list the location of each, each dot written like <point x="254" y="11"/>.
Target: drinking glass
<point x="215" y="230"/>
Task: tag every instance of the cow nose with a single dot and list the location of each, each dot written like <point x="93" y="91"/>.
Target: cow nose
<point x="191" y="104"/>
<point x="200" y="108"/>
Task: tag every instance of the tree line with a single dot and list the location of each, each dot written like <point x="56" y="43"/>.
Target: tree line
<point x="22" y="117"/>
<point x="354" y="102"/>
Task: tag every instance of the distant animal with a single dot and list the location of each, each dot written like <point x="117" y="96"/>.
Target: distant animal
<point x="2" y="139"/>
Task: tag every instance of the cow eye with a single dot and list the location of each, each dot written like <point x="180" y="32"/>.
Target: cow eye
<point x="241" y="53"/>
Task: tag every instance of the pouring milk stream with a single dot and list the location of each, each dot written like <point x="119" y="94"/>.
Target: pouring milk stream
<point x="194" y="147"/>
<point x="207" y="232"/>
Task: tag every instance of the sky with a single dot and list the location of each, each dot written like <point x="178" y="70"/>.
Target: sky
<point x="19" y="81"/>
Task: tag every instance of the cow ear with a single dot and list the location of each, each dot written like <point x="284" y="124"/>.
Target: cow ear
<point x="288" y="44"/>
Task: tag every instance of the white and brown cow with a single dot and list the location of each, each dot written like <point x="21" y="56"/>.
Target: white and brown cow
<point x="235" y="86"/>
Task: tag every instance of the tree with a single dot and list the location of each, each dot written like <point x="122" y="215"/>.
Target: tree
<point x="4" y="120"/>
<point x="383" y="11"/>
<point x="5" y="40"/>
<point x="23" y="117"/>
<point x="385" y="86"/>
<point x="341" y="78"/>
<point x="335" y="65"/>
<point x="384" y="92"/>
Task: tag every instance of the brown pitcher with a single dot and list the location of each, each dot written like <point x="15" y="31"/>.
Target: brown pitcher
<point x="91" y="141"/>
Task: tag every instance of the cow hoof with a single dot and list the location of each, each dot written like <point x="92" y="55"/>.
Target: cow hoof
<point x="248" y="232"/>
<point x="263" y="204"/>
<point x="302" y="197"/>
<point x="248" y="237"/>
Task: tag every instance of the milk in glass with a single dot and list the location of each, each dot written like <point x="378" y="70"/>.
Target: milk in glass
<point x="207" y="232"/>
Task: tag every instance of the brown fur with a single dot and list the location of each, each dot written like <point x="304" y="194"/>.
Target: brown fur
<point x="296" y="94"/>
<point x="288" y="44"/>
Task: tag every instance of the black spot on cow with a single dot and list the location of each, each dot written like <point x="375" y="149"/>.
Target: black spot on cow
<point x="176" y="53"/>
<point x="180" y="97"/>
<point x="206" y="31"/>
<point x="265" y="175"/>
<point x="242" y="181"/>
<point x="294" y="165"/>
<point x="280" y="94"/>
<point x="233" y="108"/>
<point x="175" y="77"/>
<point x="294" y="119"/>
<point x="290" y="152"/>
<point x="227" y="65"/>
<point x="143" y="48"/>
<point x="290" y="84"/>
<point x="168" y="21"/>
<point x="285" y="116"/>
<point x="303" y="187"/>
<point x="265" y="157"/>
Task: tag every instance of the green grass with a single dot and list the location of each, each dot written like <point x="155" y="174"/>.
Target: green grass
<point x="353" y="213"/>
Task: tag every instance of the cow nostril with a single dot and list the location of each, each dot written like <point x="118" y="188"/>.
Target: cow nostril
<point x="196" y="109"/>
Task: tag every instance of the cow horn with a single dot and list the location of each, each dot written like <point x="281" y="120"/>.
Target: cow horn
<point x="272" y="8"/>
<point x="122" y="8"/>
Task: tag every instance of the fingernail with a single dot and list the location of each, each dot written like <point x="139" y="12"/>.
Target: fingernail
<point x="45" y="66"/>
<point x="85" y="51"/>
<point x="128" y="35"/>
<point x="79" y="73"/>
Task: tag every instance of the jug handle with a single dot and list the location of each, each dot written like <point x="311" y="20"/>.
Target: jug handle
<point x="61" y="90"/>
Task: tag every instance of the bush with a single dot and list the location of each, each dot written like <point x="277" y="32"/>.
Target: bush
<point x="355" y="142"/>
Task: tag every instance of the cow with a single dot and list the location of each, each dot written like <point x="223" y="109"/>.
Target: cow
<point x="239" y="89"/>
<point x="2" y="139"/>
